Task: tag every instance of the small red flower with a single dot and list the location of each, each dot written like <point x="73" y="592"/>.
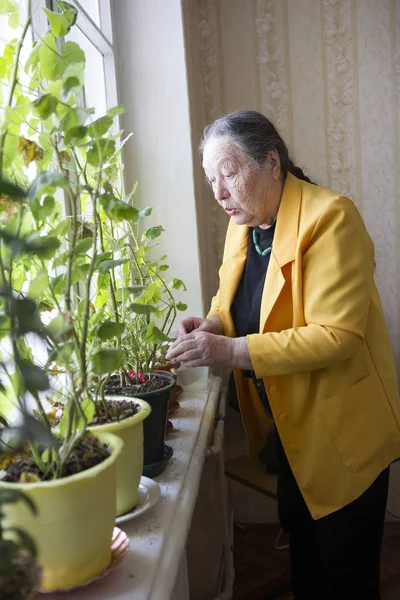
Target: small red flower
<point x="141" y="377"/>
<point x="131" y="374"/>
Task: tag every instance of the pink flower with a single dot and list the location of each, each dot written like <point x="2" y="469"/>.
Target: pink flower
<point x="141" y="377"/>
<point x="131" y="374"/>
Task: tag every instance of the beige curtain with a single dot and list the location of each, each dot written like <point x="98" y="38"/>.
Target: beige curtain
<point x="327" y="72"/>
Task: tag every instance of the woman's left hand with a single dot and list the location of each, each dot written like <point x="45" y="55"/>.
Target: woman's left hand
<point x="203" y="349"/>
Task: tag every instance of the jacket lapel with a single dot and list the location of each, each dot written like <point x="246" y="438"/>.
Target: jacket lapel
<point x="283" y="248"/>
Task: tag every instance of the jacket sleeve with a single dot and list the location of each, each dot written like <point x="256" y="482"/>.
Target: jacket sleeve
<point x="338" y="278"/>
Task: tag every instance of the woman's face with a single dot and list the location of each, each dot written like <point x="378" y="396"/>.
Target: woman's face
<point x="250" y="194"/>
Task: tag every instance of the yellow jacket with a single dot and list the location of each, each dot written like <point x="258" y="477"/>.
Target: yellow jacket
<point x="323" y="349"/>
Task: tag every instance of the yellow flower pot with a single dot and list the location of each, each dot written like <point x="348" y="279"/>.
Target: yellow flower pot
<point x="130" y="461"/>
<point x="75" y="520"/>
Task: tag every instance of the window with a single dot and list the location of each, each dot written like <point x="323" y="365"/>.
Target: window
<point x="93" y="33"/>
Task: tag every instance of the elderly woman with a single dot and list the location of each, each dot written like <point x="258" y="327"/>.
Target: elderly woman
<point x="298" y="310"/>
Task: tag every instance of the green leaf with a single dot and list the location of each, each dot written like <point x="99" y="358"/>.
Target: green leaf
<point x="33" y="58"/>
<point x="181" y="306"/>
<point x="13" y="496"/>
<point x="75" y="133"/>
<point x="49" y="179"/>
<point x="7" y="7"/>
<point x="63" y="227"/>
<point x="14" y="19"/>
<point x="51" y="63"/>
<point x="59" y="284"/>
<point x="44" y="106"/>
<point x="24" y="540"/>
<point x="44" y="210"/>
<point x="73" y="79"/>
<point x="177" y="284"/>
<point x="100" y="151"/>
<point x="101" y="257"/>
<point x="11" y="190"/>
<point x="34" y="377"/>
<point x="71" y="53"/>
<point x="163" y="267"/>
<point x="108" y="330"/>
<point x="123" y="293"/>
<point x="61" y="23"/>
<point x="66" y="354"/>
<point x="5" y="325"/>
<point x="154" y="334"/>
<point x="107" y="360"/>
<point x="153" y="232"/>
<point x="142" y="309"/>
<point x="145" y="212"/>
<point x="117" y="209"/>
<point x="26" y="312"/>
<point x="80" y="273"/>
<point x="88" y="409"/>
<point x="44" y="247"/>
<point x="117" y="110"/>
<point x="38" y="285"/>
<point x="84" y="246"/>
<point x="106" y="265"/>
<point x="100" y="127"/>
<point x="56" y="326"/>
<point x="65" y="6"/>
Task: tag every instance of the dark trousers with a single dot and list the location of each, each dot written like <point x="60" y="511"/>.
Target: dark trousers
<point x="336" y="557"/>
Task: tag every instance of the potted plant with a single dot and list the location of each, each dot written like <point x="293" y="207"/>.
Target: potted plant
<point x="72" y="480"/>
<point x="81" y="157"/>
<point x="19" y="571"/>
<point x="139" y="298"/>
<point x="65" y="477"/>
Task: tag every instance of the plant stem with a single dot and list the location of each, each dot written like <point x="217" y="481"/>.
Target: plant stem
<point x="14" y="77"/>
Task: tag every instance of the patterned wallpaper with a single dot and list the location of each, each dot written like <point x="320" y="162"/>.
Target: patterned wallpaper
<point x="327" y="72"/>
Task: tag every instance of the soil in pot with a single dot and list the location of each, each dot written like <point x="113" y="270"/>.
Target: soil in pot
<point x="22" y="581"/>
<point x="89" y="453"/>
<point x="156" y="391"/>
<point x="118" y="410"/>
<point x="115" y="387"/>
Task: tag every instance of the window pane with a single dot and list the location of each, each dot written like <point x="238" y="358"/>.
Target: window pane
<point x="95" y="90"/>
<point x="91" y="7"/>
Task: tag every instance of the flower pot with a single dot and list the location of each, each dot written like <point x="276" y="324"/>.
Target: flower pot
<point x="130" y="461"/>
<point x="176" y="390"/>
<point x="75" y="520"/>
<point x="155" y="426"/>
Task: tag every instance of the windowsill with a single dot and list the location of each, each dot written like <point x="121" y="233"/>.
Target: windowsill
<point x="158" y="537"/>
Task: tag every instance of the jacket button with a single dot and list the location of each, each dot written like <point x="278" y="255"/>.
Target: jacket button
<point x="272" y="389"/>
<point x="293" y="449"/>
<point x="283" y="417"/>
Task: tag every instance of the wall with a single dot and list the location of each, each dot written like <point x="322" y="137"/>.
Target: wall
<point x="152" y="84"/>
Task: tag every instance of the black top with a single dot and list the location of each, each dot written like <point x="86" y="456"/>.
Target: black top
<point x="246" y="305"/>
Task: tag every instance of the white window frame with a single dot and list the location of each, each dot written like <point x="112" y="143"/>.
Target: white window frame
<point x="101" y="38"/>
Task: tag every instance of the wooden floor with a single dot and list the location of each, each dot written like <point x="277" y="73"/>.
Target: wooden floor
<point x="263" y="572"/>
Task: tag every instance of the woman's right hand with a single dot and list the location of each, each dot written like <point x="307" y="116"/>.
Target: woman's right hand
<point x="212" y="325"/>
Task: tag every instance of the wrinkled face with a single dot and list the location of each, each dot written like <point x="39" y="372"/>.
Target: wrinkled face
<point x="249" y="193"/>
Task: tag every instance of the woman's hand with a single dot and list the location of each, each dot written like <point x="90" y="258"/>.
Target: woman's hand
<point x="212" y="325"/>
<point x="204" y="349"/>
<point x="201" y="348"/>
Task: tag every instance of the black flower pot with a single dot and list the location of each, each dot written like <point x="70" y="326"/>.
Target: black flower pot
<point x="155" y="425"/>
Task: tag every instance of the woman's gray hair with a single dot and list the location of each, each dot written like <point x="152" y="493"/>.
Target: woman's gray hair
<point x="255" y="136"/>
